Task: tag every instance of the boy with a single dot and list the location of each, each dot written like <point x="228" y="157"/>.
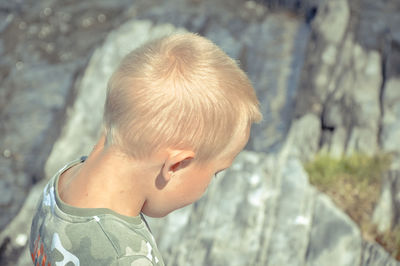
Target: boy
<point x="178" y="110"/>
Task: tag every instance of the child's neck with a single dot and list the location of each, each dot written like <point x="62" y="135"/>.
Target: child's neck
<point x="106" y="180"/>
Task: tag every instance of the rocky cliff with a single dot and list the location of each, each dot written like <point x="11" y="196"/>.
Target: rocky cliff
<point x="327" y="76"/>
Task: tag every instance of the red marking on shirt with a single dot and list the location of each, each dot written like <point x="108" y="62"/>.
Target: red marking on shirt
<point x="39" y="254"/>
<point x="44" y="260"/>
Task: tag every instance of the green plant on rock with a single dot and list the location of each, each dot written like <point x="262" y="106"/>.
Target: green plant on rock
<point x="353" y="182"/>
<point x="359" y="168"/>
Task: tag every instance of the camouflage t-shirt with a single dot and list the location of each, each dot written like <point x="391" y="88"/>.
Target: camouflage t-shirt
<point x="65" y="235"/>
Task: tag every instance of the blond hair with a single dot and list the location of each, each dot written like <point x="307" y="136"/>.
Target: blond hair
<point x="179" y="91"/>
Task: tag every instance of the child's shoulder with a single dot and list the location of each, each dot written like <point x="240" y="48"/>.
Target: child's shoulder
<point x="87" y="235"/>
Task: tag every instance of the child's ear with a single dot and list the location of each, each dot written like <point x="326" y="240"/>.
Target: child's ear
<point x="177" y="159"/>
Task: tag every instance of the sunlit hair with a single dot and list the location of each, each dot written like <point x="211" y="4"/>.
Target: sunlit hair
<point x="180" y="91"/>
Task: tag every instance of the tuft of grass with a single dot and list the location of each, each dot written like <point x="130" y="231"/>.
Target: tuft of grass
<point x="358" y="168"/>
<point x="354" y="184"/>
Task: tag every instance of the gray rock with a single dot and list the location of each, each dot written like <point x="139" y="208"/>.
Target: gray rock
<point x="15" y="236"/>
<point x="1" y="47"/>
<point x="396" y="196"/>
<point x="42" y="53"/>
<point x="224" y="39"/>
<point x="377" y="20"/>
<point x="6" y="195"/>
<point x="304" y="136"/>
<point x="387" y="211"/>
<point x="354" y="111"/>
<point x="275" y="219"/>
<point x="374" y="254"/>
<point x="262" y="211"/>
<point x="332" y="20"/>
<point x="274" y="65"/>
<point x="237" y="223"/>
<point x="291" y="225"/>
<point x="29" y="125"/>
<point x="342" y="83"/>
<point x="335" y="239"/>
<point x="5" y="20"/>
<point x="391" y="122"/>
<point x="255" y="214"/>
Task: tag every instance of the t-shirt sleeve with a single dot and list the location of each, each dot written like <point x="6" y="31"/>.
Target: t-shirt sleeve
<point x="134" y="261"/>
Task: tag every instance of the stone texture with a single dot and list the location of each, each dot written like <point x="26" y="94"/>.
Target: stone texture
<point x="374" y="254"/>
<point x="351" y="82"/>
<point x="15" y="237"/>
<point x="335" y="238"/>
<point x="391" y="123"/>
<point x="350" y="117"/>
<point x="277" y="218"/>
<point x="320" y="86"/>
<point x="29" y="120"/>
<point x="275" y="73"/>
<point x="377" y="20"/>
<point x="304" y="136"/>
<point x="221" y="245"/>
<point x="387" y="212"/>
<point x="43" y="47"/>
<point x="6" y="196"/>
<point x="343" y="83"/>
<point x="329" y="24"/>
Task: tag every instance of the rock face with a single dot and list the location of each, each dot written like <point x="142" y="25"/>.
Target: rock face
<point x="387" y="211"/>
<point x="320" y="88"/>
<point x="350" y="117"/>
<point x="276" y="219"/>
<point x="350" y="81"/>
<point x="376" y="255"/>
<point x="390" y="121"/>
<point x="43" y="48"/>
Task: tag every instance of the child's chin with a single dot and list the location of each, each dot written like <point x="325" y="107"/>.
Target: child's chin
<point x="155" y="213"/>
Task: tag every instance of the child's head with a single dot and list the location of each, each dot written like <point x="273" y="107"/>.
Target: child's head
<point x="179" y="91"/>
